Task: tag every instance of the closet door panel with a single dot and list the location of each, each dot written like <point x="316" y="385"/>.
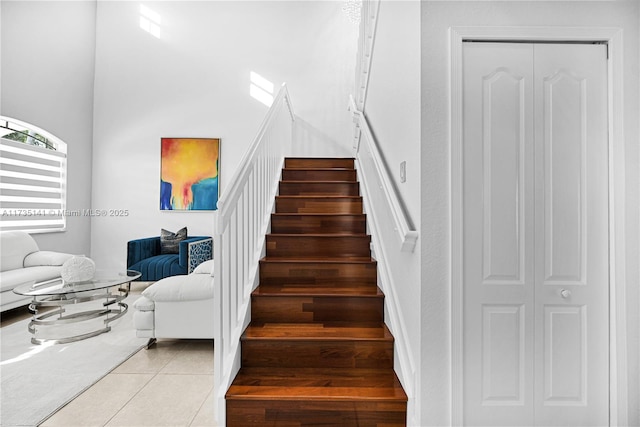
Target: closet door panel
<point x="572" y="237"/>
<point x="498" y="234"/>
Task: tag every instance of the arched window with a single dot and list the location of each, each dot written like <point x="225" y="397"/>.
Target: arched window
<point x="33" y="178"/>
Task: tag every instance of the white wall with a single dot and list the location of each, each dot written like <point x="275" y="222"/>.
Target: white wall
<point x="437" y="17"/>
<point x="393" y="96"/>
<point x="0" y="57"/>
<point x="47" y="58"/>
<point x="392" y="109"/>
<point x="194" y="81"/>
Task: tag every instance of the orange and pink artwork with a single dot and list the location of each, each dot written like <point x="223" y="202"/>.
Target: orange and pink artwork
<point x="189" y="173"/>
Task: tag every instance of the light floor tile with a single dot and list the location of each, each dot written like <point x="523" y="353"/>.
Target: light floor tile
<point x="195" y="358"/>
<point x="206" y="345"/>
<point x="167" y="400"/>
<point x="138" y="286"/>
<point x="152" y="360"/>
<point x="98" y="404"/>
<point x="206" y="416"/>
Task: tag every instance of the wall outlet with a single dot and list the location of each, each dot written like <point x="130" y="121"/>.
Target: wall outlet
<point x="403" y="171"/>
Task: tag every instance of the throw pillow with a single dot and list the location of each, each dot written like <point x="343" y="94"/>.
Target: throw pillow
<point x="78" y="269"/>
<point x="170" y="242"/>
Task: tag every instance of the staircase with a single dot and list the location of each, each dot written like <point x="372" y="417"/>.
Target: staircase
<point x="317" y="351"/>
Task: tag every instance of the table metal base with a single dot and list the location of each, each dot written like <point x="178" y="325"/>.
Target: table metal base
<point x="57" y="317"/>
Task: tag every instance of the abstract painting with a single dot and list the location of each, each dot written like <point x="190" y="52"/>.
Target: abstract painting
<point x="189" y="173"/>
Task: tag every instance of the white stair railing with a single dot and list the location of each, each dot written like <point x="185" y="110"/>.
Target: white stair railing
<point x="393" y="240"/>
<point x="366" y="40"/>
<point x="374" y="173"/>
<point x="243" y="220"/>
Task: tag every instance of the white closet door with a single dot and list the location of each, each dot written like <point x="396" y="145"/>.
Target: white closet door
<point x="498" y="229"/>
<point x="535" y="235"/>
<point x="572" y="238"/>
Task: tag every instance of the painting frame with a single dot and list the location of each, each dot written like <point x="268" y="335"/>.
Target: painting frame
<point x="189" y="173"/>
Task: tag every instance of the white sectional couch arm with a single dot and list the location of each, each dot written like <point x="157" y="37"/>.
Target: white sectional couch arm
<point x="21" y="261"/>
<point x="177" y="306"/>
<point x="40" y="258"/>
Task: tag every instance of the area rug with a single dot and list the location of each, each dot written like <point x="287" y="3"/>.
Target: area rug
<point x="37" y="380"/>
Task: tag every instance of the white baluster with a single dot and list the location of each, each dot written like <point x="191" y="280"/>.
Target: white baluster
<point x="243" y="215"/>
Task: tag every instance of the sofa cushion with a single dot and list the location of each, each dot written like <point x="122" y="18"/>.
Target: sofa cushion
<point x="46" y="258"/>
<point x="192" y="287"/>
<point x="170" y="242"/>
<point x="15" y="246"/>
<point x="9" y="300"/>
<point x="144" y="323"/>
<point x="159" y="266"/>
<point x="12" y="278"/>
<point x="204" y="268"/>
<point x="144" y="304"/>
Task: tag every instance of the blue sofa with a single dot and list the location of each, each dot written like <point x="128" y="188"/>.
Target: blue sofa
<point x="144" y="255"/>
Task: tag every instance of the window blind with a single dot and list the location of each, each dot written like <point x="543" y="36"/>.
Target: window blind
<point x="32" y="188"/>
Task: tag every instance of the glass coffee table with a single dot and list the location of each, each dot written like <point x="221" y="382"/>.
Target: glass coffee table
<point x="61" y="294"/>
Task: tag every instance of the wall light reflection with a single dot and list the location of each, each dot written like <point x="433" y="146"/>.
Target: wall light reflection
<point x="261" y="89"/>
<point x="150" y="21"/>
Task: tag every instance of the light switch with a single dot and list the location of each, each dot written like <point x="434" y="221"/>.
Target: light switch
<point x="403" y="171"/>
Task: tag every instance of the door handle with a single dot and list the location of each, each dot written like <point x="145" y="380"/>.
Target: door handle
<point x="565" y="293"/>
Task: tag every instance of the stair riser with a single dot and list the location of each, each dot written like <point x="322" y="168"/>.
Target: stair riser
<point x="318" y="175"/>
<point x="319" y="205"/>
<point x="319" y="189"/>
<point x="312" y="274"/>
<point x="318" y="163"/>
<point x="317" y="354"/>
<point x="269" y="413"/>
<point x="318" y="224"/>
<point x="304" y="246"/>
<point x="295" y="309"/>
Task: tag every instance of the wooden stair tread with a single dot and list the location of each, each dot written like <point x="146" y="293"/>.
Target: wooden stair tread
<point x="294" y="186"/>
<point x="328" y="196"/>
<point x="323" y="223"/>
<point x="318" y="204"/>
<point x="334" y="234"/>
<point x="364" y="290"/>
<point x="337" y="168"/>
<point x="303" y="181"/>
<point x="318" y="245"/>
<point x="319" y="174"/>
<point x="317" y="384"/>
<point x="318" y="235"/>
<point x="311" y="159"/>
<point x="319" y="214"/>
<point x="321" y="260"/>
<point x="317" y="332"/>
<point x="317" y="158"/>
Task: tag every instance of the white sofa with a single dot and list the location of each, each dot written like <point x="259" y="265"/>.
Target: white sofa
<point x="21" y="261"/>
<point x="177" y="306"/>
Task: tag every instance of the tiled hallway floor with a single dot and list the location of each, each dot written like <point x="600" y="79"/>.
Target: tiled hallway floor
<point x="169" y="384"/>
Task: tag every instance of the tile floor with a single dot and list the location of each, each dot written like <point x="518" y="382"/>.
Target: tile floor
<point x="169" y="384"/>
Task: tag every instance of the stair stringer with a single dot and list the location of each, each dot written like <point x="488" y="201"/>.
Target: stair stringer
<point x="404" y="365"/>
